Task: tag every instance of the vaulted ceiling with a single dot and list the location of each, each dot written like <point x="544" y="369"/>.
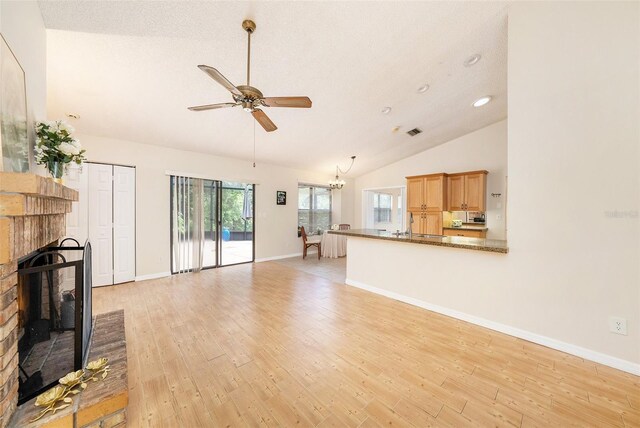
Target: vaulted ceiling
<point x="129" y="70"/>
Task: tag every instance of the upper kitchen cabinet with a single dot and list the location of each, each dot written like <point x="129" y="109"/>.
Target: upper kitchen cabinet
<point x="467" y="191"/>
<point x="415" y="194"/>
<point x="426" y="192"/>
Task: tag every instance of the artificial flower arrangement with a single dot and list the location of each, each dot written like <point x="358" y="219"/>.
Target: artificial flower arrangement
<point x="58" y="397"/>
<point x="56" y="148"/>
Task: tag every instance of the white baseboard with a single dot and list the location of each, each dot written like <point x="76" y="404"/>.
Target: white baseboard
<point x="152" y="276"/>
<point x="598" y="357"/>
<point x="286" y="256"/>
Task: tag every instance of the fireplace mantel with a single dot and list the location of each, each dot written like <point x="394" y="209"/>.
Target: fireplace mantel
<point x="32" y="215"/>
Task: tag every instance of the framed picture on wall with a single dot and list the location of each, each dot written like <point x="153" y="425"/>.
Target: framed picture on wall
<point x="281" y="197"/>
<point x="14" y="145"/>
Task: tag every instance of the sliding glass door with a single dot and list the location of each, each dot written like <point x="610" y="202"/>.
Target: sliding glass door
<point x="236" y="213"/>
<point x="211" y="223"/>
<point x="210" y="207"/>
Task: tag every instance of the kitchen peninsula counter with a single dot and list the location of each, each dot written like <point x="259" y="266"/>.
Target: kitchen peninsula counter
<point x="478" y="244"/>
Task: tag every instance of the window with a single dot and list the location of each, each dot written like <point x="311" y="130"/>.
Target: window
<point x="314" y="207"/>
<point x="382" y="208"/>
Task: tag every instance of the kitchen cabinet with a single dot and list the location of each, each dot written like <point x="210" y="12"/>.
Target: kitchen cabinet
<point x="415" y="193"/>
<point x="427" y="192"/>
<point x="427" y="223"/>
<point x="467" y="233"/>
<point x="466" y="191"/>
<point x="426" y="199"/>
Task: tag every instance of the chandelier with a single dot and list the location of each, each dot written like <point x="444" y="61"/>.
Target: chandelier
<point x="338" y="184"/>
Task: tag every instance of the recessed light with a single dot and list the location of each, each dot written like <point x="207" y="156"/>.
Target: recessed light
<point x="482" y="101"/>
<point x="386" y="110"/>
<point x="395" y="128"/>
<point x="73" y="115"/>
<point x="422" y="89"/>
<point x="472" y="60"/>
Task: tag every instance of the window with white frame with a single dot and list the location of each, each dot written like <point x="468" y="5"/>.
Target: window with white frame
<point x="314" y="208"/>
<point x="382" y="207"/>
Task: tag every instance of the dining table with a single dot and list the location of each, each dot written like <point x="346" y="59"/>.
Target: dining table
<point x="333" y="246"/>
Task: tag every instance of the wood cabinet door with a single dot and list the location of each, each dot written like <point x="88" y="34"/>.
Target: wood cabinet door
<point x="434" y="192"/>
<point x="433" y="223"/>
<point x="455" y="190"/>
<point x="416" y="226"/>
<point x="474" y="192"/>
<point x="415" y="194"/>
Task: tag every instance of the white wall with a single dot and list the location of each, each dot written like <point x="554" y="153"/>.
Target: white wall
<point x="22" y="27"/>
<point x="574" y="158"/>
<point x="482" y="149"/>
<point x="574" y="194"/>
<point x="276" y="225"/>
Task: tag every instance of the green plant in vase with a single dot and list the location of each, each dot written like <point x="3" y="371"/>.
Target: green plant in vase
<point x="56" y="148"/>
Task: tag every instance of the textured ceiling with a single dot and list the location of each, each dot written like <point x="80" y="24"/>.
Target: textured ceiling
<point x="129" y="70"/>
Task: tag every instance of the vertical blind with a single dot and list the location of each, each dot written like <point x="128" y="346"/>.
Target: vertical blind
<point x="187" y="223"/>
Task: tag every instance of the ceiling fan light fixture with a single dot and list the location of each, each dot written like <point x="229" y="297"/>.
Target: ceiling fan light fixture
<point x="247" y="96"/>
<point x="472" y="60"/>
<point x="482" y="101"/>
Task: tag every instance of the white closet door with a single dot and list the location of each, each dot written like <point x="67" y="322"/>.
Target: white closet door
<point x="124" y="221"/>
<point x="101" y="223"/>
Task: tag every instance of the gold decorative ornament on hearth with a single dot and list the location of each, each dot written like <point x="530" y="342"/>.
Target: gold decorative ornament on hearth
<point x="58" y="397"/>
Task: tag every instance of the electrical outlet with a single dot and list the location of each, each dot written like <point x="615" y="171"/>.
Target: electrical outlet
<point x="618" y="325"/>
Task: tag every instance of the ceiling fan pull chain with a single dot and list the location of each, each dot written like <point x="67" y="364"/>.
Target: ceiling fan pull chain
<point x="254" y="143"/>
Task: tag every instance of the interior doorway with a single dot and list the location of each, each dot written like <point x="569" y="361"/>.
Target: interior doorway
<point x="384" y="208"/>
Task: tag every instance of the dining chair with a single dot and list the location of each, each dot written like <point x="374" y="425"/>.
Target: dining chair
<point x="306" y="243"/>
<point x="344" y="226"/>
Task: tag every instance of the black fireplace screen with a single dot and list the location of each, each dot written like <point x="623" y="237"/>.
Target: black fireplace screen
<point x="54" y="304"/>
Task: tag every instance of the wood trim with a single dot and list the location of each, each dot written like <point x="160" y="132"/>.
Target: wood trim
<point x="482" y="171"/>
<point x="427" y="175"/>
<point x="32" y="184"/>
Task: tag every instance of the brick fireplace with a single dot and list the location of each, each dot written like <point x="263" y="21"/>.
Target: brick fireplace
<point x="32" y="216"/>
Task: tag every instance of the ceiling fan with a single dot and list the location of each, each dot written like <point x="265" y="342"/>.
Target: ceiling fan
<point x="247" y="96"/>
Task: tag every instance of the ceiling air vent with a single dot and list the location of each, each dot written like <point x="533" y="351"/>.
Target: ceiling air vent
<point x="414" y="132"/>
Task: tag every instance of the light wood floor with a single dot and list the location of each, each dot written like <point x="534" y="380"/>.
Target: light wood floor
<point x="267" y="344"/>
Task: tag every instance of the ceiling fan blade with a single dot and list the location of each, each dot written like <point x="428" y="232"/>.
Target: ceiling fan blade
<point x="218" y="77"/>
<point x="212" y="106"/>
<point x="264" y="120"/>
<point x="298" y="102"/>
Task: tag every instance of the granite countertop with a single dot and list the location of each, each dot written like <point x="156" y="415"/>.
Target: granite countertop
<point x="479" y="244"/>
<point x="466" y="226"/>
